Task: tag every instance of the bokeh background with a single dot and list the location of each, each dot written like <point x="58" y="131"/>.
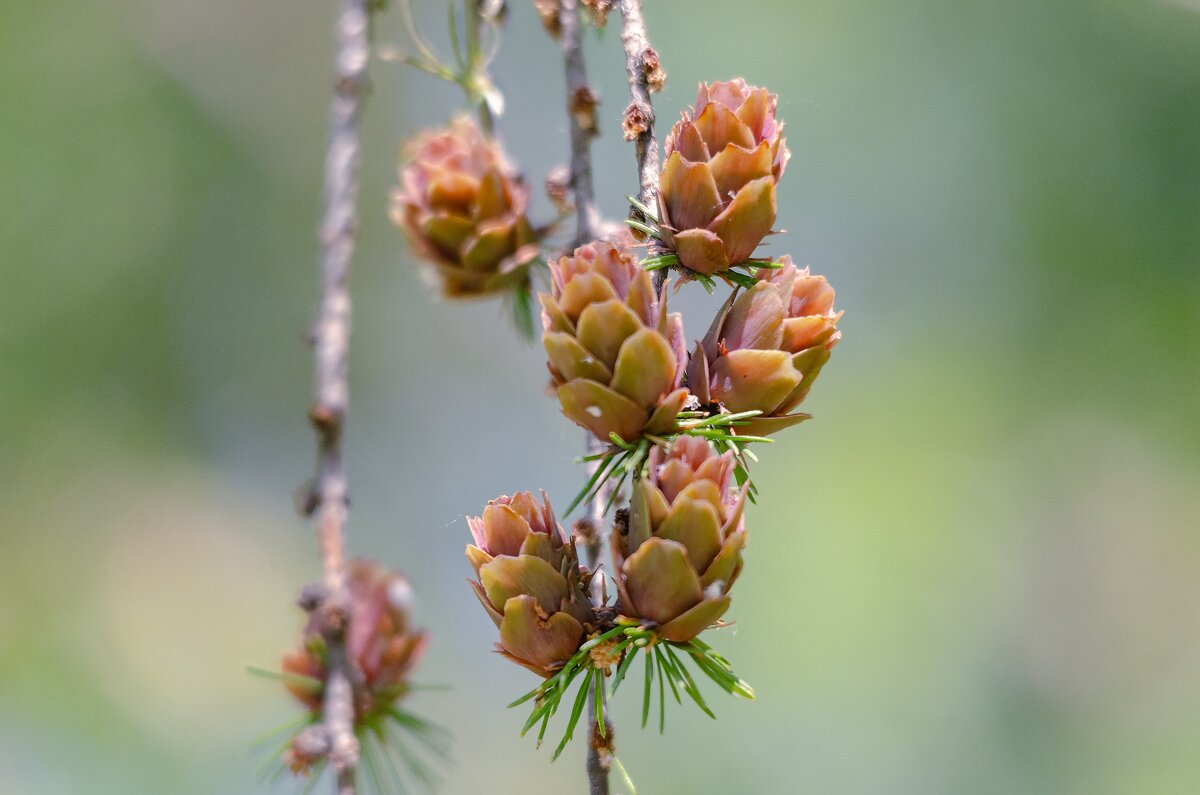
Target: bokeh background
<point x="974" y="571"/>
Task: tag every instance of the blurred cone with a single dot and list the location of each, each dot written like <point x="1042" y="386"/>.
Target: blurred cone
<point x="463" y="210"/>
<point x="380" y="642"/>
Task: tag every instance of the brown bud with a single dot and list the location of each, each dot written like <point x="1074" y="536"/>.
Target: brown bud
<point x="655" y="75"/>
<point x="583" y="107"/>
<point x="307" y="749"/>
<point x="558" y="188"/>
<point x="584" y="530"/>
<point x="638" y="118"/>
<point x="599" y="9"/>
<point x="547" y="11"/>
<point x="602" y="741"/>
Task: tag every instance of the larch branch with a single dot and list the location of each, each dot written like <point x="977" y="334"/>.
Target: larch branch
<point x="331" y="340"/>
<point x="645" y="75"/>
<point x="581" y="114"/>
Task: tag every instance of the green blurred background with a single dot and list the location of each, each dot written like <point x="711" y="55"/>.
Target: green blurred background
<point x="974" y="572"/>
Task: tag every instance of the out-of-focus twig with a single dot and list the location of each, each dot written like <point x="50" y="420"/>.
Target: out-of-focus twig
<point x="581" y="112"/>
<point x="472" y="55"/>
<point x="331" y="338"/>
<point x="476" y="66"/>
<point x="581" y="115"/>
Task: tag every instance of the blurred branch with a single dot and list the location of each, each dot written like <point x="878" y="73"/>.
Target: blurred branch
<point x="331" y="338"/>
<point x="471" y="57"/>
<point x="476" y="65"/>
<point x="600" y="744"/>
<point x="581" y="106"/>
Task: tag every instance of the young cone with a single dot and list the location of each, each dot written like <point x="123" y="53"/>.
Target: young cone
<point x="380" y="641"/>
<point x="463" y="210"/>
<point x="682" y="549"/>
<point x="766" y="347"/>
<point x="615" y="355"/>
<point x="529" y="582"/>
<point x="717" y="196"/>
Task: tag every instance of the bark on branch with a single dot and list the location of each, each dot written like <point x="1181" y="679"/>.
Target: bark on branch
<point x="645" y="75"/>
<point x="331" y="340"/>
<point x="581" y="113"/>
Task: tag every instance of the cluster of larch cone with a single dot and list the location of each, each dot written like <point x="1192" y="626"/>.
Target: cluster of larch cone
<point x="621" y="367"/>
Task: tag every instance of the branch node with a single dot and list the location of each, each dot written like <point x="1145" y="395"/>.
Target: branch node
<point x="604" y="743"/>
<point x="335" y="616"/>
<point x="558" y="189"/>
<point x="639" y="117"/>
<point x="584" y="530"/>
<point x="307" y="749"/>
<point x="582" y="105"/>
<point x="547" y="11"/>
<point x="306" y="498"/>
<point x="327" y="421"/>
<point x="655" y="75"/>
<point x="329" y="603"/>
<point x="646" y="75"/>
<point x="600" y="757"/>
<point x="621" y="521"/>
<point x="311" y="596"/>
<point x="599" y="9"/>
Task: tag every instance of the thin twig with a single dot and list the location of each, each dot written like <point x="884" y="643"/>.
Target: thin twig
<point x="645" y="75"/>
<point x="331" y="338"/>
<point x="600" y="745"/>
<point x="475" y="64"/>
<point x="581" y="113"/>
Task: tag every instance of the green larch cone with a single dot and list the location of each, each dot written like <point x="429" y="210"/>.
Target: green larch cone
<point x="717" y="196"/>
<point x="529" y="582"/>
<point x="615" y="355"/>
<point x="766" y="347"/>
<point x="380" y="640"/>
<point x="682" y="549"/>
<point x="463" y="210"/>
